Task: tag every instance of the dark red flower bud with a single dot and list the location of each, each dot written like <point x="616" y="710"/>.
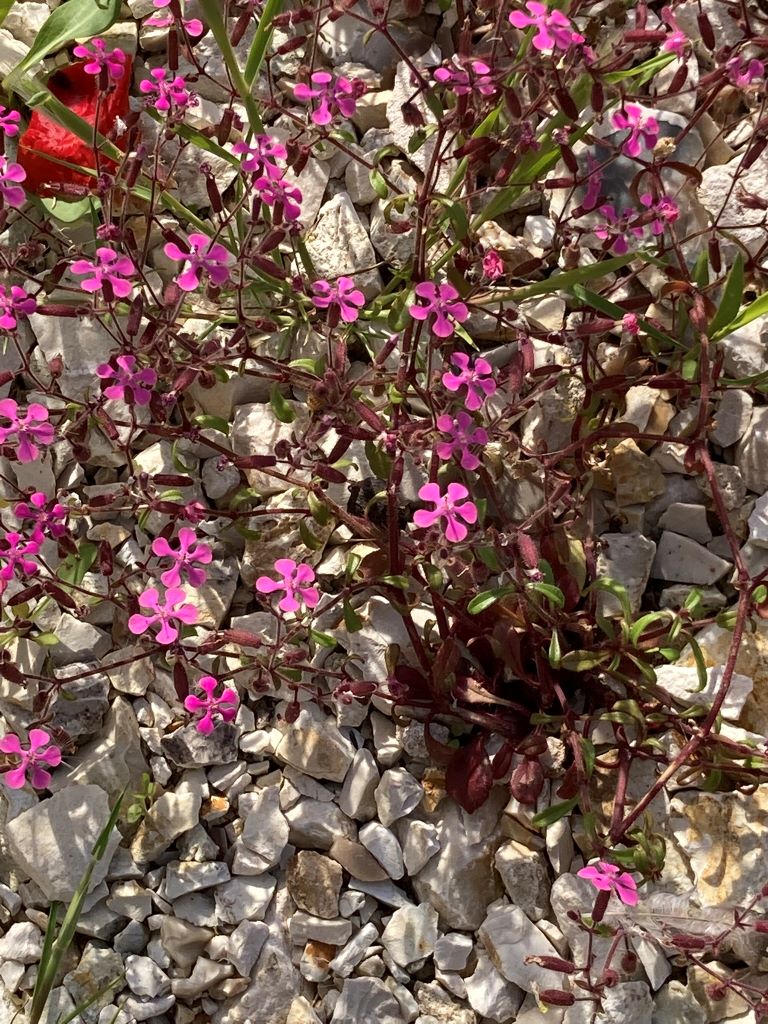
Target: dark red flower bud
<point x="556" y="997"/>
<point x="552" y="963"/>
<point x="705" y="28"/>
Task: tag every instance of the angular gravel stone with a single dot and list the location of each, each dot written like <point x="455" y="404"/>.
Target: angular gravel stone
<point x="396" y="795"/>
<point x="314" y="882"/>
<point x="384" y="846"/>
<point x="244" y="899"/>
<point x="265" y="828"/>
<point x="509" y="937"/>
<point x="366" y="999"/>
<point x="682" y="560"/>
<point x="51" y="843"/>
<point x="411" y="934"/>
<point x="357" y="794"/>
<point x="314" y="745"/>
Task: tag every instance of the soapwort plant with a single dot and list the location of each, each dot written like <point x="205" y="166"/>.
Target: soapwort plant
<point x="442" y="426"/>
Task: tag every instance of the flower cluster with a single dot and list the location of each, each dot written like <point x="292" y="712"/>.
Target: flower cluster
<point x="203" y="256"/>
<point x="108" y="267"/>
<point x="474" y="77"/>
<point x="47" y="516"/>
<point x="343" y="296"/>
<point x="39" y="752"/>
<point x="294" y="580"/>
<point x="553" y="30"/>
<point x="335" y="96"/>
<point x="170" y="611"/>
<point x="441" y="302"/>
<point x="168" y="92"/>
<point x="211" y="708"/>
<point x="26" y="430"/>
<point x="192" y="26"/>
<point x="259" y="155"/>
<point x="130" y="384"/>
<point x="13" y="304"/>
<point x="100" y="59"/>
<point x="10" y="176"/>
<point x="609" y="878"/>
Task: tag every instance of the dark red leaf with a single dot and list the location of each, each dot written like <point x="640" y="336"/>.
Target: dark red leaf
<point x="469" y="777"/>
<point x="527" y="782"/>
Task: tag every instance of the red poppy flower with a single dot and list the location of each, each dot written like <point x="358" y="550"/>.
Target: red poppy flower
<point x="80" y="92"/>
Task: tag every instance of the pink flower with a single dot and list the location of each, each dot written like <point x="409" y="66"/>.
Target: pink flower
<point x="192" y="25"/>
<point x="336" y="96"/>
<point x="224" y="707"/>
<point x="665" y="210"/>
<point x="204" y="256"/>
<point x="258" y="156"/>
<point x="174" y="609"/>
<point x="493" y="265"/>
<point x="14" y="554"/>
<point x="9" y="121"/>
<point x="609" y="878"/>
<point x="643" y="129"/>
<point x="677" y="39"/>
<point x="131" y="385"/>
<point x="277" y="192"/>
<point x="462" y="432"/>
<point x="342" y="294"/>
<point x="189" y="551"/>
<point x="553" y="30"/>
<point x="630" y="323"/>
<point x="440" y="301"/>
<point x="17" y="303"/>
<point x="48" y="516"/>
<point x="476" y="76"/>
<point x="27" y="430"/>
<point x="742" y="73"/>
<point x="112" y="60"/>
<point x="476" y="377"/>
<point x="293" y="580"/>
<point x="10" y="173"/>
<point x="39" y="752"/>
<point x="109" y="266"/>
<point x="171" y="93"/>
<point x="447" y="507"/>
<point x="616" y="229"/>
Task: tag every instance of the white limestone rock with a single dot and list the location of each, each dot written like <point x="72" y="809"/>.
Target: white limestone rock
<point x="411" y="934"/>
<point x="51" y="843"/>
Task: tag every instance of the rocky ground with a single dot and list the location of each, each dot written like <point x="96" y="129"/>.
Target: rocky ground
<point x="317" y="872"/>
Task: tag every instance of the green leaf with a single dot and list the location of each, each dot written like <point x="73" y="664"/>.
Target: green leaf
<point x="589" y="754"/>
<point x="554" y="813"/>
<point x="583" y="661"/>
<point x="261" y="39"/>
<point x="308" y="538"/>
<point x="554" y="654"/>
<point x="401" y="582"/>
<point x="208" y="422"/>
<point x="378" y="460"/>
<point x="320" y="511"/>
<point x="324" y="639"/>
<point x="5" y="6"/>
<point x="67" y="211"/>
<point x="755" y="309"/>
<point x="701" y="667"/>
<point x="553" y="594"/>
<point x="619" y="591"/>
<point x="280" y="406"/>
<point x="352" y="620"/>
<point x="486" y="598"/>
<point x="644" y="71"/>
<point x="378" y="184"/>
<point x="74" y="567"/>
<point x="645" y="621"/>
<point x="603" y="305"/>
<point x="75" y="19"/>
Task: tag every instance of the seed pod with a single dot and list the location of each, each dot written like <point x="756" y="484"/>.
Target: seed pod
<point x="556" y="997"/>
<point x="713" y="247"/>
<point x="225" y="126"/>
<point x="106" y="558"/>
<point x="173" y="49"/>
<point x="569" y="159"/>
<point x="705" y="28"/>
<point x="678" y="81"/>
<point x="566" y="103"/>
<point x="240" y="28"/>
<point x="690" y="942"/>
<point x="597" y="97"/>
<point x="290" y="45"/>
